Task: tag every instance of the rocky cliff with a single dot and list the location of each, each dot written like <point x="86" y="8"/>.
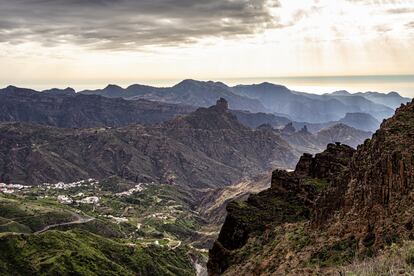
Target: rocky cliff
<point x="290" y="199"/>
<point x="335" y="207"/>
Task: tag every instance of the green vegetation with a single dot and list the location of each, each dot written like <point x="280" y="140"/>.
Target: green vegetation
<point x="25" y="215"/>
<point x="339" y="253"/>
<point x="319" y="184"/>
<point x="78" y="252"/>
<point x="148" y="232"/>
<point x="297" y="238"/>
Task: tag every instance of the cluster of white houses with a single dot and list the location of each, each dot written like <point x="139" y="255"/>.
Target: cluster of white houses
<point x="66" y="186"/>
<point x="12" y="188"/>
<point x="64" y="199"/>
<point x="138" y="188"/>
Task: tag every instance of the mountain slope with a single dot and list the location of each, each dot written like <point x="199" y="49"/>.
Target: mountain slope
<point x="206" y="148"/>
<point x="342" y="133"/>
<point x="362" y="121"/>
<point x="304" y="141"/>
<point x="67" y="109"/>
<point x="351" y="203"/>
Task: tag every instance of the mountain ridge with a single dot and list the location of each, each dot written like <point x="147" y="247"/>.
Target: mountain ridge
<point x="160" y="153"/>
<point x="353" y="203"/>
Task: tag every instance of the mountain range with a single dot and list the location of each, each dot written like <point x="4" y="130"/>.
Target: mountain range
<point x="164" y="163"/>
<point x="66" y="108"/>
<point x="265" y="97"/>
<point x="189" y="150"/>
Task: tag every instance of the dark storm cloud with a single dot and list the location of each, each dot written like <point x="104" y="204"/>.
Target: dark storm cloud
<point x="117" y="24"/>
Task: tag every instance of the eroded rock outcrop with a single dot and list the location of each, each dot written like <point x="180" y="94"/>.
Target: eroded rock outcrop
<point x="290" y="199"/>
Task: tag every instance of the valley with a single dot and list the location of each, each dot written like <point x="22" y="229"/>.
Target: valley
<point x="206" y="138"/>
<point x="154" y="179"/>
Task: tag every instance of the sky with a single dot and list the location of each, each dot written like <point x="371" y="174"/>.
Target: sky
<point x="88" y="44"/>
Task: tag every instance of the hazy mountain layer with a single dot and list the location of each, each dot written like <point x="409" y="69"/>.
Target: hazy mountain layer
<point x="310" y="107"/>
<point x="189" y="92"/>
<point x="306" y="142"/>
<point x="265" y="97"/>
<point x="64" y="108"/>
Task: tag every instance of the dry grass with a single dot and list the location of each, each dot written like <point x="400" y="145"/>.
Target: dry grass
<point x="394" y="260"/>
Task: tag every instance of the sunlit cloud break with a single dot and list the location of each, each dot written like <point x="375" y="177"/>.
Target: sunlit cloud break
<point x="75" y="42"/>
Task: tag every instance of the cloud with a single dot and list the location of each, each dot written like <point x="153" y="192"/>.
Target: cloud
<point x="400" y="10"/>
<point x="119" y="24"/>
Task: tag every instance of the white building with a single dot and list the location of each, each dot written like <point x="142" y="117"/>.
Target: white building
<point x="62" y="199"/>
<point x="89" y="200"/>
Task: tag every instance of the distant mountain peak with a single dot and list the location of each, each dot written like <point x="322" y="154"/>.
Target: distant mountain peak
<point x="271" y="85"/>
<point x="15" y="89"/>
<point x="304" y="130"/>
<point x="113" y="87"/>
<point x="393" y="93"/>
<point x="187" y="82"/>
<point x="11" y="88"/>
<point x="222" y="104"/>
<point x="66" y="91"/>
<point x="341" y="93"/>
<point x="289" y="128"/>
<point x="192" y="82"/>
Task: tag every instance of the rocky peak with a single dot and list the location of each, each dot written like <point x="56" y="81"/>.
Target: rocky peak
<point x="215" y="117"/>
<point x="222" y="105"/>
<point x="265" y="127"/>
<point x="327" y="164"/>
<point x="304" y="130"/>
<point x="289" y="128"/>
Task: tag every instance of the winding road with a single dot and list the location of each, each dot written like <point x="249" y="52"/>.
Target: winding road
<point x="80" y="220"/>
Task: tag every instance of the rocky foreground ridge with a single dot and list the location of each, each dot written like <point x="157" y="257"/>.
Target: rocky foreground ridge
<point x="340" y="205"/>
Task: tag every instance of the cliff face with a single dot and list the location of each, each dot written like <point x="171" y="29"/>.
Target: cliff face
<point x="378" y="196"/>
<point x="289" y="200"/>
<point x="352" y="204"/>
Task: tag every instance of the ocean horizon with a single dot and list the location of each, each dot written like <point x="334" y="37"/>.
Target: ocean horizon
<point x="403" y="84"/>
